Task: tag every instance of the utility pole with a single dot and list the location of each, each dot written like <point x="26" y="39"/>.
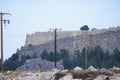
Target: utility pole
<point x="86" y="57"/>
<point x="1" y="25"/>
<point x="55" y="45"/>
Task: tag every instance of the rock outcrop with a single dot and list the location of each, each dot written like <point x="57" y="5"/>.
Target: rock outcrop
<point x="39" y="64"/>
<point x="107" y="39"/>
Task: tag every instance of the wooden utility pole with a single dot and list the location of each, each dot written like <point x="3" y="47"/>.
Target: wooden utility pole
<point x="1" y="36"/>
<point x="55" y="45"/>
<point x="86" y="57"/>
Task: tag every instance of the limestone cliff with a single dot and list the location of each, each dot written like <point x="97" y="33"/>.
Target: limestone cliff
<point x="108" y="39"/>
<point x="43" y="37"/>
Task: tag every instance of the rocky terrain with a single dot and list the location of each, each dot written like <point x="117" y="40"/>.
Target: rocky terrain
<point x="76" y="74"/>
<point x="38" y="69"/>
<point x="39" y="64"/>
<point x="107" y="39"/>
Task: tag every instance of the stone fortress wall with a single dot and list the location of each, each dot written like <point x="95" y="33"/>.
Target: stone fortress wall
<point x="44" y="37"/>
<point x="107" y="39"/>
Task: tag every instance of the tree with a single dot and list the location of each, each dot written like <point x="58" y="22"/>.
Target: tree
<point x="64" y="53"/>
<point x="108" y="59"/>
<point x="44" y="55"/>
<point x="51" y="57"/>
<point x="12" y="63"/>
<point x="14" y="57"/>
<point x="34" y="55"/>
<point x="77" y="58"/>
<point x="58" y="57"/>
<point x="24" y="58"/>
<point x="84" y="28"/>
<point x="117" y="56"/>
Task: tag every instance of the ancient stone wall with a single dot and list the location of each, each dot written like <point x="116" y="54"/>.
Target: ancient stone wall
<point x="43" y="37"/>
<point x="108" y="39"/>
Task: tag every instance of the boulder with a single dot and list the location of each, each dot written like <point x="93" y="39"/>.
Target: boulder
<point x="67" y="77"/>
<point x="77" y="69"/>
<point x="116" y="68"/>
<point x="39" y="64"/>
<point x="104" y="71"/>
<point x="91" y="68"/>
<point x="101" y="77"/>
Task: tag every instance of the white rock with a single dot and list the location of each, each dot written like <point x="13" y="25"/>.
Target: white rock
<point x="64" y="71"/>
<point x="77" y="69"/>
<point x="91" y="68"/>
<point x="55" y="70"/>
<point x="100" y="77"/>
<point x="8" y="72"/>
<point x="116" y="68"/>
<point x="67" y="77"/>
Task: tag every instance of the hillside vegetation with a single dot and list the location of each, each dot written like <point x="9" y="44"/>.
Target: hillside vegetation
<point x="95" y="57"/>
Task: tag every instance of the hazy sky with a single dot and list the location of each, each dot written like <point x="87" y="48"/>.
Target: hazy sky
<point x="29" y="16"/>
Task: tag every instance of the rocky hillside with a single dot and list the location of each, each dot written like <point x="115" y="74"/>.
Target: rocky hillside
<point x="39" y="64"/>
<point x="107" y="39"/>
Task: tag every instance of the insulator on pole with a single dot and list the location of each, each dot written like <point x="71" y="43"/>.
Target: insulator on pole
<point x="5" y="21"/>
<point x="8" y="21"/>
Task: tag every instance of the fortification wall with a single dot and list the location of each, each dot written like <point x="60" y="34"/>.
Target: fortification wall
<point x="43" y="37"/>
<point x="106" y="39"/>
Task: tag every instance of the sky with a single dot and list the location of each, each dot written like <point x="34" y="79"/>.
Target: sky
<point x="30" y="16"/>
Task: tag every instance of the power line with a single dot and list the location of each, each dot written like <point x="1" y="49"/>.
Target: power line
<point x="1" y="24"/>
